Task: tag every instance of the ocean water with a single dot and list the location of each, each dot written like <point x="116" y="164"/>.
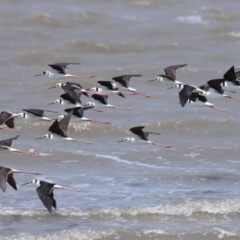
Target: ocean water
<point x="129" y="190"/>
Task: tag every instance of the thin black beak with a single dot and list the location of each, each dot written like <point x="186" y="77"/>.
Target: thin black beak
<point x="151" y="80"/>
<point x="170" y="87"/>
<point x="38" y="138"/>
<point x="52" y="87"/>
<point x="51" y="103"/>
<point x="38" y="75"/>
<point x="121" y="141"/>
<point x="25" y="184"/>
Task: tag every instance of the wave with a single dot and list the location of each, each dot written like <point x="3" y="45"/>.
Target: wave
<point x="222" y="207"/>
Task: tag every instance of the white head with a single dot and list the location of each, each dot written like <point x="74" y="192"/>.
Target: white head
<point x="34" y="182"/>
<point x="96" y="89"/>
<point x="23" y="115"/>
<point x="46" y="136"/>
<point x="158" y="78"/>
<point x="46" y="73"/>
<point x="90" y="104"/>
<point x="128" y="139"/>
<point x="60" y="118"/>
<point x="58" y="101"/>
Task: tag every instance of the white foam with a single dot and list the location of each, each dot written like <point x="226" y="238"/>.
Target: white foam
<point x="191" y="19"/>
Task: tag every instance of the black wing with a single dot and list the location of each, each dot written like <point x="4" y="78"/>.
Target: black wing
<point x="8" y="142"/>
<point x="74" y="95"/>
<point x="61" y="67"/>
<point x="55" y="128"/>
<point x="101" y="99"/>
<point x="78" y="111"/>
<point x="44" y="193"/>
<point x="73" y="84"/>
<point x="3" y="177"/>
<point x="230" y="75"/>
<point x="216" y="84"/>
<point x="65" y="122"/>
<point x="107" y="84"/>
<point x="11" y="181"/>
<point x="185" y="93"/>
<point x="125" y="79"/>
<point x="10" y="123"/>
<point x="139" y="131"/>
<point x="171" y="70"/>
<point x="4" y="116"/>
<point x="36" y="112"/>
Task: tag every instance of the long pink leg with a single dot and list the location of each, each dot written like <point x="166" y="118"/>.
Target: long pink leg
<point x="94" y="121"/>
<point x="161" y="145"/>
<point x="142" y="94"/>
<point x="219" y="109"/>
<point x="9" y="129"/>
<point x="236" y="98"/>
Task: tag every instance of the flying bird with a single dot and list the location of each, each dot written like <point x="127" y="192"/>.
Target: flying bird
<point x="60" y="129"/>
<point x="143" y="135"/>
<point x="45" y="192"/>
<point x="6" y="176"/>
<point x="59" y="71"/>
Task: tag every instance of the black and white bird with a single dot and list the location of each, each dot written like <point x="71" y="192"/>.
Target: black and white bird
<point x="69" y="86"/>
<point x="38" y="114"/>
<point x="60" y="129"/>
<point x="213" y="88"/>
<point x="170" y="74"/>
<point x="143" y="136"/>
<point x="45" y="192"/>
<point x="6" y="176"/>
<point x="186" y="91"/>
<point x="200" y="100"/>
<point x="59" y="71"/>
<point x="231" y="80"/>
<point x="72" y="98"/>
<point x="7" y="118"/>
<point x="104" y="100"/>
<point x="124" y="81"/>
<point x="6" y="144"/>
<point x="112" y="87"/>
<point x="79" y="113"/>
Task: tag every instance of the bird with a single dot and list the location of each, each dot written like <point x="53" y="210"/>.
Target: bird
<point x="79" y="113"/>
<point x="6" y="176"/>
<point x="143" y="136"/>
<point x="70" y="87"/>
<point x="231" y="81"/>
<point x="71" y="98"/>
<point x="6" y="144"/>
<point x="103" y="100"/>
<point x="38" y="113"/>
<point x="60" y="129"/>
<point x="7" y="118"/>
<point x="110" y="86"/>
<point x="202" y="101"/>
<point x="59" y="71"/>
<point x="45" y="192"/>
<point x="170" y="74"/>
<point x="186" y="91"/>
<point x="214" y="89"/>
<point x="124" y="81"/>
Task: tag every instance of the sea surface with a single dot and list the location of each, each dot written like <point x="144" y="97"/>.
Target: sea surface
<point x="129" y="190"/>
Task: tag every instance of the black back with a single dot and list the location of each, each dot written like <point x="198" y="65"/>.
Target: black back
<point x="195" y="96"/>
<point x="100" y="98"/>
<point x="61" y="67"/>
<point x="107" y="84"/>
<point x="37" y="112"/>
<point x="125" y="79"/>
<point x="45" y="193"/>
